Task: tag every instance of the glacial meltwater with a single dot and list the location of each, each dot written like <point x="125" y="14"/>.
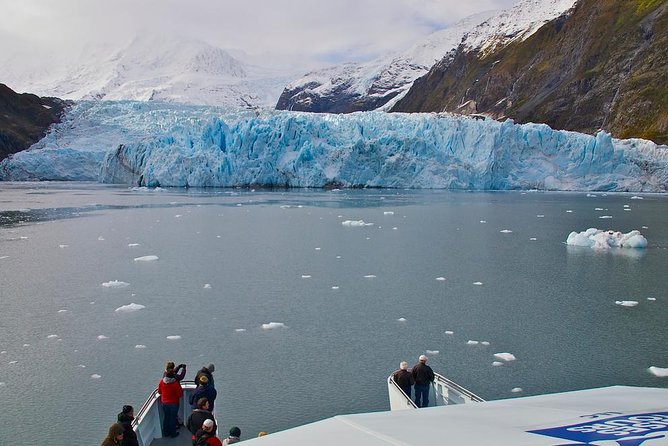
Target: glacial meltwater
<point x="306" y="300"/>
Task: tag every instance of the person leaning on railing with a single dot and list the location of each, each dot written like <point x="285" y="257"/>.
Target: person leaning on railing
<point x="424" y="376"/>
<point x="404" y="378"/>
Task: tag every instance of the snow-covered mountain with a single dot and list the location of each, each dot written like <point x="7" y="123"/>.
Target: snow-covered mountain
<point x="151" y="144"/>
<point x="152" y="67"/>
<point x="379" y="84"/>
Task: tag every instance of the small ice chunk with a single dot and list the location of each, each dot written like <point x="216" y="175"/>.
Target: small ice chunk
<point x="26" y="345"/>
<point x="140" y="346"/>
<point x="13" y="362"/>
<point x="63" y="246"/>
<point x="173" y="337"/>
<point x="335" y="287"/>
<point x="497" y="363"/>
<point x="627" y="206"/>
<point x="100" y="238"/>
<point x="440" y="279"/>
<point x="432" y="352"/>
<point x="115" y="284"/>
<point x="605" y="216"/>
<point x="485" y="342"/>
<point x="178" y="216"/>
<point x="636" y="197"/>
<point x="129" y="308"/>
<point x="207" y="286"/>
<point x="395" y="228"/>
<point x="95" y="376"/>
<point x="4" y="257"/>
<point x="62" y="311"/>
<point x="102" y="337"/>
<point x="540" y="216"/>
<point x="132" y="245"/>
<point x="627" y="209"/>
<point x="533" y="239"/>
<point x="591" y="195"/>
<point x="52" y="336"/>
<point x="598" y="209"/>
<point x="505" y="231"/>
<point x="516" y="390"/>
<point x="402" y="319"/>
<point x="306" y="276"/>
<point x="658" y="371"/>
<point x="505" y="356"/>
<point x="81" y="366"/>
<point x="471" y="342"/>
<point x="483" y="221"/>
<point x="651" y="298"/>
<point x="477" y="283"/>
<point x="273" y="325"/>
<point x="569" y="211"/>
<point x="338" y="257"/>
<point x="370" y="276"/>
<point x="449" y="332"/>
<point x="239" y="330"/>
<point x="355" y="223"/>
<point x="146" y="258"/>
<point x="2" y="384"/>
<point x="627" y="303"/>
<point x="388" y="213"/>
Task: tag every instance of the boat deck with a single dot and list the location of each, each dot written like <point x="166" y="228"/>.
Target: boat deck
<point x="182" y="440"/>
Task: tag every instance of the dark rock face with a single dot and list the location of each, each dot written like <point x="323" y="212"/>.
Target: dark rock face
<point x="25" y="118"/>
<point x="605" y="66"/>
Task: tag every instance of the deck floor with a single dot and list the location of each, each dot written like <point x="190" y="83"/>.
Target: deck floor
<point x="182" y="440"/>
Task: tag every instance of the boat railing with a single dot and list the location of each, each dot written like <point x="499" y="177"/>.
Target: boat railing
<point x="148" y="420"/>
<point x="443" y="392"/>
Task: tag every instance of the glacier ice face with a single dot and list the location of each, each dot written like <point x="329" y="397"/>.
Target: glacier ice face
<point x="152" y="144"/>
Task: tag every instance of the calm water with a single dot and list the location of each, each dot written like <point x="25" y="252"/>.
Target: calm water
<point x="551" y="306"/>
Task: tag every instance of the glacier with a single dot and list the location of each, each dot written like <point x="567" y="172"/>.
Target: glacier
<point x="165" y="144"/>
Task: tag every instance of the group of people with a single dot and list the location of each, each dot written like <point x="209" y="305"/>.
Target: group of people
<point x="201" y="422"/>
<point x="420" y="376"/>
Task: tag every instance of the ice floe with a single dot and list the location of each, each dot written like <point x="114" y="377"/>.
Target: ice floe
<point x="239" y="330"/>
<point x="2" y="384"/>
<point x="449" y="332"/>
<point x="472" y="342"/>
<point x="570" y="211"/>
<point x="102" y="337"/>
<point x="52" y="336"/>
<point x="306" y="276"/>
<point x="62" y="311"/>
<point x="146" y="258"/>
<point x="636" y="197"/>
<point x="477" y="283"/>
<point x="132" y="245"/>
<point x="13" y="362"/>
<point x="485" y="342"/>
<point x="651" y="298"/>
<point x="532" y="239"/>
<point x="173" y="337"/>
<point x="626" y="303"/>
<point x="516" y="390"/>
<point x="115" y="284"/>
<point x="129" y="308"/>
<point x="440" y="279"/>
<point x="483" y="221"/>
<point x="388" y="213"/>
<point x="355" y="223"/>
<point x="207" y="286"/>
<point x="605" y="217"/>
<point x="100" y="238"/>
<point x="497" y="363"/>
<point x="658" y="371"/>
<point x="95" y="376"/>
<point x="402" y="319"/>
<point x="63" y="246"/>
<point x="273" y="325"/>
<point x="140" y="346"/>
<point x="505" y="231"/>
<point x="599" y="239"/>
<point x="505" y="356"/>
<point x="540" y="216"/>
<point x="432" y="352"/>
<point x="370" y="276"/>
<point x="335" y="287"/>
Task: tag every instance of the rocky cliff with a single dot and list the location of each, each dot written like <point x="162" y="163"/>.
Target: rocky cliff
<point x="24" y="119"/>
<point x="603" y="66"/>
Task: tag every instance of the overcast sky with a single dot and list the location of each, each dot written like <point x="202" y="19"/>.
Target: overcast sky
<point x="324" y="30"/>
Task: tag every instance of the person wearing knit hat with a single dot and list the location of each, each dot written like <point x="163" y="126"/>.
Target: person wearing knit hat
<point x="235" y="434"/>
<point x="125" y="419"/>
<point x="423" y="376"/>
<point x="207" y="435"/>
<point x="208" y="372"/>
<point x="114" y="436"/>
<point x="404" y="378"/>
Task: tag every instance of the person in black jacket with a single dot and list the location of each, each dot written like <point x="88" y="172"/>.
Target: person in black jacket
<point x="404" y="378"/>
<point x="203" y="390"/>
<point x="125" y="419"/>
<point x="208" y="372"/>
<point x="198" y="417"/>
<point x="423" y="376"/>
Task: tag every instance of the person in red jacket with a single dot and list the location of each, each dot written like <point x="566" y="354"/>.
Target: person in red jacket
<point x="170" y="393"/>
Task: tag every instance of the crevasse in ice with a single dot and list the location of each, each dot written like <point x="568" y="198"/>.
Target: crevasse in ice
<point x="155" y="144"/>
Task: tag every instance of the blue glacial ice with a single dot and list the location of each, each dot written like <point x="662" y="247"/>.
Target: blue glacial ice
<point x="154" y="144"/>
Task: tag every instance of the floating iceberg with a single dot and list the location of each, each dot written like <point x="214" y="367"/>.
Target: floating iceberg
<point x="273" y="325"/>
<point x="599" y="239"/>
<point x="157" y="144"/>
<point x="129" y="308"/>
<point x="146" y="259"/>
<point x="626" y="303"/>
<point x="516" y="390"/>
<point x="115" y="284"/>
<point x="174" y="337"/>
<point x="356" y="223"/>
<point x="658" y="371"/>
<point x="505" y="356"/>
